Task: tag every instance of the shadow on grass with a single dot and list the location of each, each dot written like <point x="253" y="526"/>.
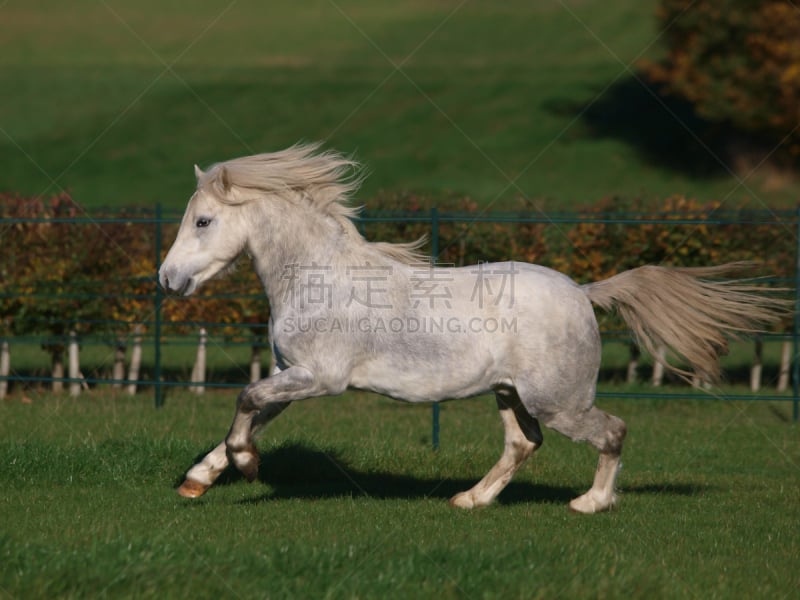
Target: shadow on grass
<point x="295" y="471"/>
<point x="671" y="489"/>
<point x="664" y="130"/>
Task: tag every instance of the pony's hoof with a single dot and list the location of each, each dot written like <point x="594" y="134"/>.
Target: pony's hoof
<point x="462" y="500"/>
<point x="192" y="489"/>
<point x="589" y="504"/>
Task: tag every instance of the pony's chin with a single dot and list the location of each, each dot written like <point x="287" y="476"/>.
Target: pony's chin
<point x="189" y="288"/>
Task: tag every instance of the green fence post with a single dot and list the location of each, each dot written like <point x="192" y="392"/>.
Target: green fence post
<point x="796" y="328"/>
<point x="434" y="259"/>
<point x="157" y="314"/>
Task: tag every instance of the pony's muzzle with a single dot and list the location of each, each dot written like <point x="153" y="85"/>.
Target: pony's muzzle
<point x="174" y="281"/>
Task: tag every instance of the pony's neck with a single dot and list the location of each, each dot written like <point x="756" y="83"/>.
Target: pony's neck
<point x="287" y="236"/>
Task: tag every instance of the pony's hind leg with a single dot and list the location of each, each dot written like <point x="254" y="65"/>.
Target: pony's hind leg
<point x="203" y="475"/>
<point x="522" y="437"/>
<point x="606" y="433"/>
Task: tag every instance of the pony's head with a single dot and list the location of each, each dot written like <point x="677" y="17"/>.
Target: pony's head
<point x="212" y="234"/>
<point x="233" y="199"/>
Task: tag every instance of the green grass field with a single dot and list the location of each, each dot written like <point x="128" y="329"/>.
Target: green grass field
<point x="115" y="102"/>
<point x="351" y="503"/>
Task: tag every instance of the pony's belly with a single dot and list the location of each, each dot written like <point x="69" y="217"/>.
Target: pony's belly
<point x="425" y="382"/>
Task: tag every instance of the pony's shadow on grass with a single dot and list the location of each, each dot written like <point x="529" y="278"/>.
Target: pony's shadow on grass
<point x="671" y="489"/>
<point x="296" y="471"/>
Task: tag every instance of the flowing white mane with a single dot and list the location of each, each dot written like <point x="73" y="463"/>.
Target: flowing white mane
<point x="301" y="174"/>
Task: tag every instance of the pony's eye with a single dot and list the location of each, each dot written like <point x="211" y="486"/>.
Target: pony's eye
<point x="203" y="222"/>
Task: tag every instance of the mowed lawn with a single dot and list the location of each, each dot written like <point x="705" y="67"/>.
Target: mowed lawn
<point x="114" y="101"/>
<point x="352" y="503"/>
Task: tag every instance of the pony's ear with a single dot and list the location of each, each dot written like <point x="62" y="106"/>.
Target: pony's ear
<point x="198" y="173"/>
<point x="222" y="181"/>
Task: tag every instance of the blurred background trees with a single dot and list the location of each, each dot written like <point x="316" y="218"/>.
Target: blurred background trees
<point x="738" y="63"/>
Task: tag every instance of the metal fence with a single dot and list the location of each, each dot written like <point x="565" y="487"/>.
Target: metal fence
<point x="785" y="222"/>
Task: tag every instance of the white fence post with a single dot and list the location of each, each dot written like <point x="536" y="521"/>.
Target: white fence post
<point x="757" y="368"/>
<point x="5" y="368"/>
<point x="786" y="365"/>
<point x="74" y="365"/>
<point x="136" y="360"/>
<point x="658" y="366"/>
<point x="199" y="370"/>
<point x="255" y="363"/>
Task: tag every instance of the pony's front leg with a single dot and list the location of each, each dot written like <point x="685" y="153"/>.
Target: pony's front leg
<point x="203" y="475"/>
<point x="268" y="396"/>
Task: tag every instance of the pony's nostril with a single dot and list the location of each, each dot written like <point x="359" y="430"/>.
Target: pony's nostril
<point x="163" y="279"/>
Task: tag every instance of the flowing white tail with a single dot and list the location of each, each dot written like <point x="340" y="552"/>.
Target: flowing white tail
<point x="680" y="309"/>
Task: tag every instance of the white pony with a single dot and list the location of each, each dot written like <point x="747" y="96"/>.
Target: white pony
<point x="348" y="313"/>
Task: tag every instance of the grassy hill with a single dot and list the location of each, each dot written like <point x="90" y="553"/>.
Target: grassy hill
<point x="115" y="101"/>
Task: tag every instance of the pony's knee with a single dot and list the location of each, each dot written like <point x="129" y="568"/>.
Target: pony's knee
<point x="617" y="430"/>
<point x="247" y="400"/>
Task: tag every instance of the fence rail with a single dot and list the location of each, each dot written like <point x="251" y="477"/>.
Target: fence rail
<point x="144" y="289"/>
